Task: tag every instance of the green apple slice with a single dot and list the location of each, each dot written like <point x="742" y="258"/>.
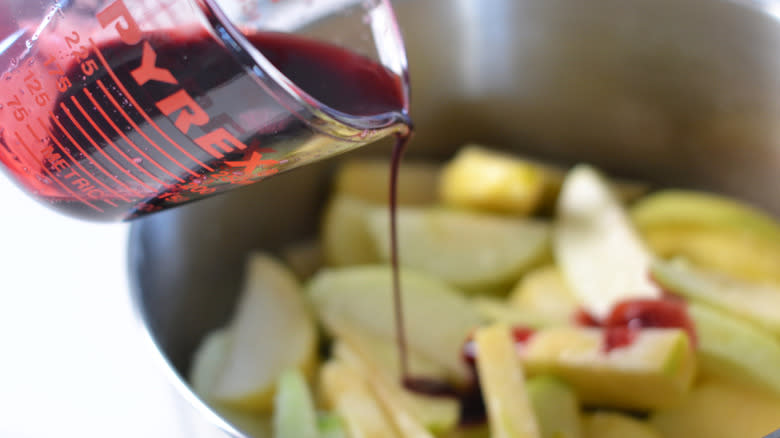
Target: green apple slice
<point x="347" y="392"/>
<point x="759" y="303"/>
<point x="555" y="406"/>
<point x="498" y="311"/>
<point x="544" y="293"/>
<point x="271" y="305"/>
<point x="717" y="409"/>
<point x="330" y="425"/>
<point x="294" y="412"/>
<point x="502" y="381"/>
<point x="614" y="425"/>
<point x="469" y="250"/>
<point x="656" y="369"/>
<point x="733" y="349"/>
<point x="345" y="236"/>
<point x="712" y="231"/>
<point x="597" y="249"/>
<point x="362" y="296"/>
<point x="415" y="416"/>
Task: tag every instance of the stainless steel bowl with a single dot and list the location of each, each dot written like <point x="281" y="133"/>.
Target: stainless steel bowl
<point x="679" y="92"/>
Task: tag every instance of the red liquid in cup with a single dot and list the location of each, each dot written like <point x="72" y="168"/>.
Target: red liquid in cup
<point x="87" y="130"/>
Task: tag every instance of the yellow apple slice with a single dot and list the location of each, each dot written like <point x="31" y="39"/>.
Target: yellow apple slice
<point x="271" y="332"/>
<point x="544" y="293"/>
<point x="712" y="231"/>
<point x="656" y="369"/>
<point x="347" y="392"/>
<point x="597" y="249"/>
<point x="502" y="381"/>
<point x="484" y="179"/>
<point x="469" y="250"/>
<point x="614" y="425"/>
<point x="717" y="409"/>
<point x="759" y="303"/>
<point x="437" y="317"/>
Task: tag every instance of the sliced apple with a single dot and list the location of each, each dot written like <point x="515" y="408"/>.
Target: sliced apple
<point x="656" y="369"/>
<point x="363" y="297"/>
<point x="488" y="180"/>
<point x="544" y="293"/>
<point x="717" y="409"/>
<point x="499" y="311"/>
<point x="383" y="351"/>
<point x="614" y="425"/>
<point x="712" y="231"/>
<point x="469" y="250"/>
<point x="207" y="364"/>
<point x="347" y="392"/>
<point x="734" y="349"/>
<point x="555" y="406"/>
<point x="415" y="415"/>
<point x="597" y="249"/>
<point x="502" y="381"/>
<point x="345" y="236"/>
<point x="294" y="412"/>
<point x="759" y="303"/>
<point x="208" y="361"/>
<point x="330" y="425"/>
<point x="271" y="331"/>
<point x="369" y="180"/>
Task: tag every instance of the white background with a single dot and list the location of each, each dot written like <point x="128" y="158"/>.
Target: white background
<point x="73" y="360"/>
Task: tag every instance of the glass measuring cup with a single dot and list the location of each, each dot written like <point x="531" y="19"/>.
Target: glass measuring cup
<point x="113" y="109"/>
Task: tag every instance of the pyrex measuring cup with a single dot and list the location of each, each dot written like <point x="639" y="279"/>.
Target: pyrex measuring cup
<point x="114" y="109"/>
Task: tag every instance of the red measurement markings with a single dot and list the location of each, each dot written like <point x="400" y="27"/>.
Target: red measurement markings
<point x="145" y="115"/>
<point x="142" y="133"/>
<point x="89" y="156"/>
<point x="33" y="133"/>
<point x="54" y="178"/>
<point x="75" y="161"/>
<point x="102" y="152"/>
<point x="133" y="145"/>
<point x="89" y="119"/>
<point x="255" y="162"/>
